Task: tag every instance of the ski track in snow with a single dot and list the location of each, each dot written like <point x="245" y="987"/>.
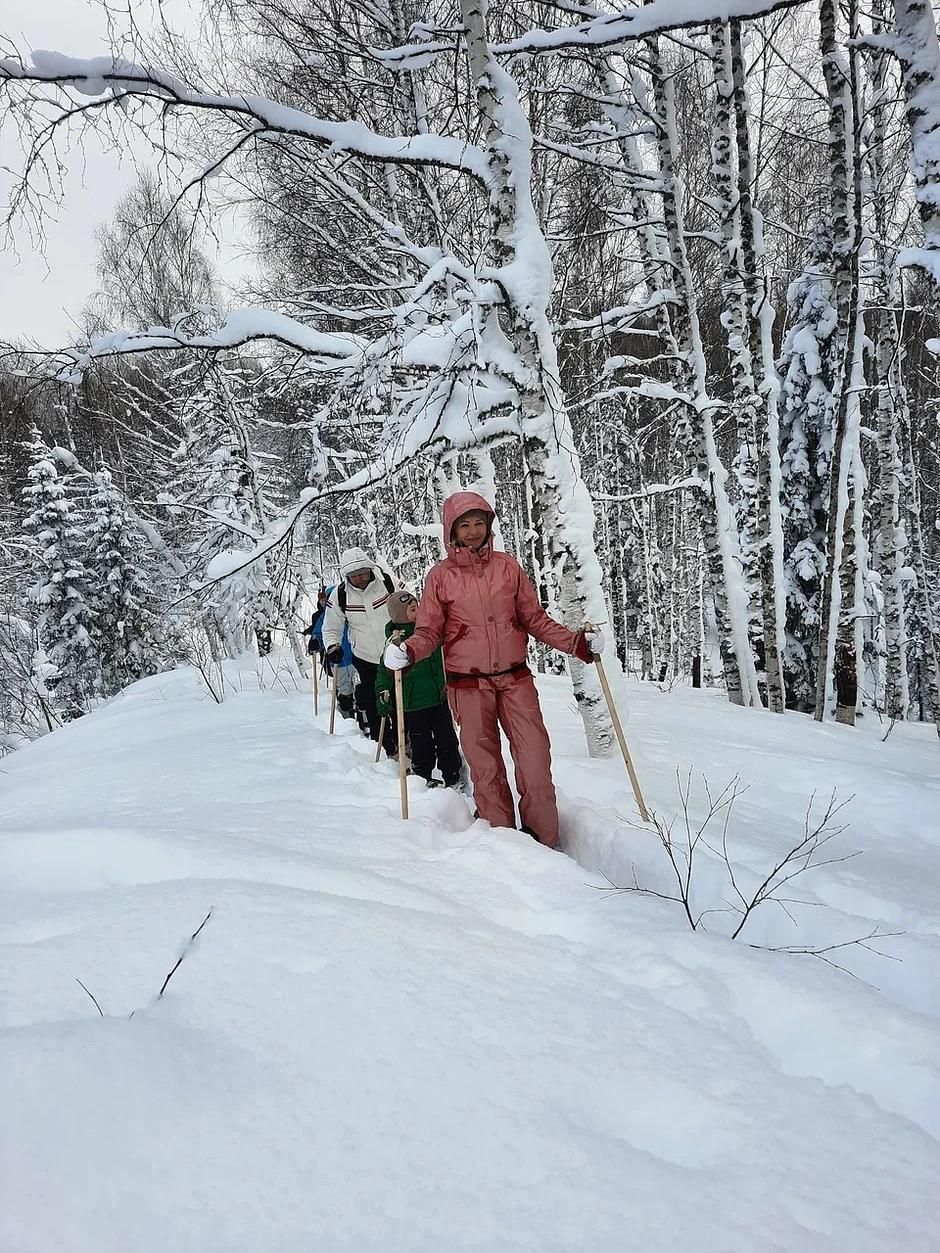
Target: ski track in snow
<point x="436" y="1036"/>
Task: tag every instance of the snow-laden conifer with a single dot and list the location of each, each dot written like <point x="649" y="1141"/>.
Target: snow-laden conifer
<point x="807" y="413"/>
<point x="124" y="626"/>
<point x="70" y="665"/>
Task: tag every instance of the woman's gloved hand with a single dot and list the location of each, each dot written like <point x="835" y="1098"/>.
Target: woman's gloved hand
<point x="596" y="641"/>
<point x="590" y="645"/>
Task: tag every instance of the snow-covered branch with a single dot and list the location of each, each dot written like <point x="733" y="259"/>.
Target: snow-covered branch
<point x="626" y="25"/>
<point x="394" y="459"/>
<point x="241" y="326"/>
<point x="114" y="77"/>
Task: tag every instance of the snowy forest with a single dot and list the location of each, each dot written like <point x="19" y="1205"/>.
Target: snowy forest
<point x="660" y="281"/>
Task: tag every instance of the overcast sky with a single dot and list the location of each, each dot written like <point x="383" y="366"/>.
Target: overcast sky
<point x="44" y="286"/>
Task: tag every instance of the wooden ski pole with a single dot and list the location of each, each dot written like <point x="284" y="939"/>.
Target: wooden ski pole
<point x="400" y="726"/>
<point x="333" y="702"/>
<point x="402" y="757"/>
<point x="378" y="747"/>
<point x="618" y="727"/>
<point x="316" y="685"/>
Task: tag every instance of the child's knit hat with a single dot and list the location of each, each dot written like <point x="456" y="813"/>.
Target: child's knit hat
<point x="398" y="604"/>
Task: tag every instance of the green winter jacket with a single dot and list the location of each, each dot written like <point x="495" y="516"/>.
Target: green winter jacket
<point x="423" y="684"/>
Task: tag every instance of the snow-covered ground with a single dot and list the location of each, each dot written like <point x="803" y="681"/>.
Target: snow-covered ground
<point x="432" y="1036"/>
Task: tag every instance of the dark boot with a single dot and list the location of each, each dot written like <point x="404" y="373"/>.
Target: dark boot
<point x="345" y="706"/>
<point x="529" y="831"/>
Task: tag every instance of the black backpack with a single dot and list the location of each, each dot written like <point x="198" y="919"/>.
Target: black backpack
<point x="341" y="590"/>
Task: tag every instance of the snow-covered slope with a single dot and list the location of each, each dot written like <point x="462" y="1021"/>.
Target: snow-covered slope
<point x="433" y="1036"/>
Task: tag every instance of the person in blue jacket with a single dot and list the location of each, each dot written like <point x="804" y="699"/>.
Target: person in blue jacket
<point x="345" y="671"/>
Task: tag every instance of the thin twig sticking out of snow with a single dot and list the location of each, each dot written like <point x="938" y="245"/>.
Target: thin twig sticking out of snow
<point x="210" y="669"/>
<point x="179" y="961"/>
<point x="92" y="995"/>
<point x="276" y="675"/>
<point x="186" y="951"/>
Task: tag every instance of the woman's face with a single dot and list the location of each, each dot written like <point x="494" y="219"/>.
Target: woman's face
<point x="360" y="579"/>
<point x="470" y="529"/>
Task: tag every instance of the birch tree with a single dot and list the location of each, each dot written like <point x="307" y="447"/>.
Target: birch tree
<point x="838" y="655"/>
<point x="694" y="430"/>
<point x="889" y="510"/>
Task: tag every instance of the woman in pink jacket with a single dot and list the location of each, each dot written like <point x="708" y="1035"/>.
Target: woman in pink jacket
<point x="480" y="604"/>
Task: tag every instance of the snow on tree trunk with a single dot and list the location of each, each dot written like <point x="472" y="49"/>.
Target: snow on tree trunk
<point x="694" y="427"/>
<point x="924" y="586"/>
<point x="754" y="381"/>
<point x="918" y="50"/>
<point x="735" y="318"/>
<point x="653" y="251"/>
<point x="890" y="538"/>
<point x="808" y="367"/>
<point x="839" y="587"/>
<point x="845" y="664"/>
<point x="766" y="457"/>
<point x="837" y="637"/>
<point x="652" y="586"/>
<point x="485" y="484"/>
<point x="525" y="276"/>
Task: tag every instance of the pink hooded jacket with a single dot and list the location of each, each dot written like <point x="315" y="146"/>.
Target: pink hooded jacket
<point x="482" y="606"/>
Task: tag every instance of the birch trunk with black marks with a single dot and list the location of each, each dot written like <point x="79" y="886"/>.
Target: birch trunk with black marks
<point x="766" y="455"/>
<point x="922" y="582"/>
<point x="753" y="378"/>
<point x="694" y="426"/>
<point x="836" y="656"/>
<point x="563" y="512"/>
<point x="918" y="50"/>
<point x="735" y="320"/>
<point x="890" y="537"/>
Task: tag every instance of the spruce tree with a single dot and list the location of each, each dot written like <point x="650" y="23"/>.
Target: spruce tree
<point x="69" y="663"/>
<point x="807" y="414"/>
<point x="124" y="627"/>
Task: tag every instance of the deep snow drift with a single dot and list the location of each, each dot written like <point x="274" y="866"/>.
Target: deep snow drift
<point x="433" y="1036"/>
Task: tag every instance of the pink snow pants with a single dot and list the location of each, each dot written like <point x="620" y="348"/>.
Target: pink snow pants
<point x="509" y="701"/>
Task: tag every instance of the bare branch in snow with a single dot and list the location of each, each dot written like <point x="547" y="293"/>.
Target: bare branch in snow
<point x="810" y="852"/>
<point x="92" y="996"/>
<point x="184" y="954"/>
<point x="822" y="953"/>
<point x="681" y="849"/>
<point x="803" y="856"/>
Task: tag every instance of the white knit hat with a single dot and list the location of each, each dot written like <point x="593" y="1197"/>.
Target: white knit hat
<point x="354" y="559"/>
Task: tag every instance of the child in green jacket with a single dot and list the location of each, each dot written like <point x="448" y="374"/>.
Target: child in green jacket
<point x="428" y="722"/>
